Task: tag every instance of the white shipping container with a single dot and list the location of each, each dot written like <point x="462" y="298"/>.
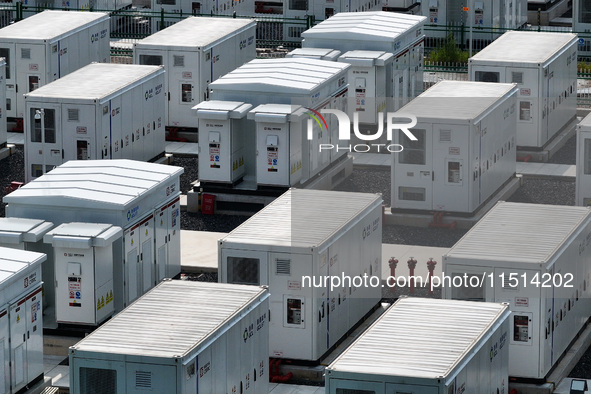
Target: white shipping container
<point x="101" y="111"/>
<point x="141" y="198"/>
<point x="229" y="137"/>
<point x="544" y="275"/>
<point x="83" y="271"/>
<point x="280" y="140"/>
<point x="465" y="150"/>
<point x="308" y="233"/>
<point x="582" y="23"/>
<point x="402" y="35"/>
<point x="47" y="46"/>
<point x="544" y="66"/>
<point x="27" y="234"/>
<point x="195" y="52"/>
<point x="21" y="319"/>
<point x="427" y="346"/>
<point x="583" y="181"/>
<point x="314" y="84"/>
<point x="181" y="337"/>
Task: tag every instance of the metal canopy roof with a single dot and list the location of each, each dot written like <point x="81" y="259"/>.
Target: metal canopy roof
<point x="462" y="100"/>
<point x="361" y="26"/>
<point x="16" y="230"/>
<point x="49" y="24"/>
<point x="520" y="232"/>
<point x="524" y="47"/>
<point x="157" y="326"/>
<point x="421" y="338"/>
<point x="95" y="81"/>
<point x="195" y="32"/>
<point x="302" y="218"/>
<point x="280" y="76"/>
<point x="102" y="184"/>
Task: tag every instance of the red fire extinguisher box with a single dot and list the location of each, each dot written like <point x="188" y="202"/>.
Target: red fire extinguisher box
<point x="208" y="204"/>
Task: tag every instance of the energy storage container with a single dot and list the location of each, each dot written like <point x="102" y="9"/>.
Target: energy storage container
<point x="427" y="346"/>
<point x="310" y="83"/>
<point x="3" y="129"/>
<point x="583" y="181"/>
<point x="141" y="198"/>
<point x="215" y="339"/>
<point x="27" y="234"/>
<point x="83" y="271"/>
<point x="280" y="143"/>
<point x="47" y="46"/>
<point x="21" y="319"/>
<point x="582" y="23"/>
<point x="293" y="245"/>
<point x="367" y="93"/>
<point x="402" y="35"/>
<point x="465" y="148"/>
<point x="544" y="275"/>
<point x="228" y="135"/>
<point x="315" y="53"/>
<point x="544" y="66"/>
<point x="101" y="111"/>
<point x="195" y="52"/>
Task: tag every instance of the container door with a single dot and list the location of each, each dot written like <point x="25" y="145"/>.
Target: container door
<point x="78" y="131"/>
<point x="450" y="179"/>
<point x="341" y="386"/>
<point x="155" y="58"/>
<point x="43" y="135"/>
<point x="173" y="267"/>
<point x="244" y="267"/>
<point x="413" y="170"/>
<point x="528" y="106"/>
<point x="161" y="244"/>
<point x="273" y="154"/>
<point x="7" y="52"/>
<point x="18" y="344"/>
<point x="183" y="73"/>
<point x="31" y="73"/>
<point x="147" y="262"/>
<point x="4" y="351"/>
<point x="34" y="317"/>
<point x="132" y="263"/>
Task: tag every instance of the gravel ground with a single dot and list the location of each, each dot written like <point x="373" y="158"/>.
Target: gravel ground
<point x="567" y="154"/>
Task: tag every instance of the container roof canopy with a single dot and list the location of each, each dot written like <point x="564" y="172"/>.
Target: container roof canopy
<point x="302" y="218"/>
<point x="101" y="184"/>
<point x="289" y="75"/>
<point x="520" y="232"/>
<point x="95" y="81"/>
<point x="158" y="326"/>
<point x="420" y="338"/>
<point x="196" y="32"/>
<point x="524" y="47"/>
<point x="461" y="100"/>
<point x="362" y="26"/>
<point x="49" y="24"/>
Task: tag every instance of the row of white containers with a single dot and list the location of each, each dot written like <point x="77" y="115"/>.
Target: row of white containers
<point x="82" y="285"/>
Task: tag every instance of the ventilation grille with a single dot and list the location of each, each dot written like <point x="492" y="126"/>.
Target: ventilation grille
<point x="73" y="114"/>
<point x="509" y="284"/>
<point x="283" y="267"/>
<point x="96" y="380"/>
<point x="411" y="193"/>
<point x="26" y="53"/>
<point x="143" y="380"/>
<point x="179" y="61"/>
<point x="444" y="135"/>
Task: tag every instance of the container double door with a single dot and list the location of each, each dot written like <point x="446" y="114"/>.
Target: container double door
<point x="58" y="133"/>
<point x="431" y="173"/>
<point x="341" y="386"/>
<point x="25" y="72"/>
<point x="181" y="82"/>
<point x="167" y="235"/>
<point x="139" y="259"/>
<point x="26" y="345"/>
